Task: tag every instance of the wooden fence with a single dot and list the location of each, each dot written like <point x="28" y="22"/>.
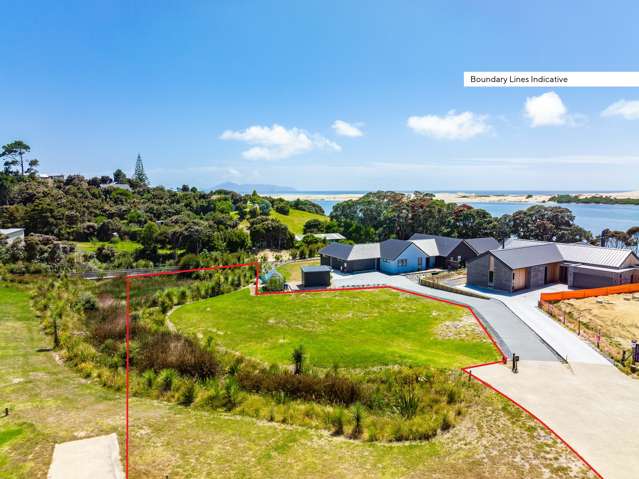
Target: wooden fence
<point x="612" y="350"/>
<point x="437" y="285"/>
<point x="589" y="293"/>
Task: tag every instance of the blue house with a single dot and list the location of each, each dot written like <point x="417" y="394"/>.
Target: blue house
<point x="397" y="256"/>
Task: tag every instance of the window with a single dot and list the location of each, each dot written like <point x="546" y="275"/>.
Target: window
<point x="402" y="262"/>
<point x="491" y="277"/>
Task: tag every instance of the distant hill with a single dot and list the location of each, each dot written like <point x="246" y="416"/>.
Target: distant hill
<point x="250" y="187"/>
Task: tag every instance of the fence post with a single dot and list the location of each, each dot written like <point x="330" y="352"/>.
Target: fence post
<point x="579" y="327"/>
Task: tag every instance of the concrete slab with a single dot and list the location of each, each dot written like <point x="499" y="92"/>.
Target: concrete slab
<point x="592" y="407"/>
<point x="93" y="458"/>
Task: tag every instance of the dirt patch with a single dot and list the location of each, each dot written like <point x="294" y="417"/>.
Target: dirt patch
<point x="616" y="316"/>
<point x="465" y="327"/>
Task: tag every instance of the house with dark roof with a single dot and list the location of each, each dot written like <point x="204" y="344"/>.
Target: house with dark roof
<point x="395" y="256"/>
<point x="523" y="264"/>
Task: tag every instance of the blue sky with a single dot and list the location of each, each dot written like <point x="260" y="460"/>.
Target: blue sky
<point x="250" y="92"/>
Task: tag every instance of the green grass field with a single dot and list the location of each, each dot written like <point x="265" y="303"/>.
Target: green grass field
<point x="349" y="328"/>
<point x="292" y="272"/>
<point x="50" y="403"/>
<point x="126" y="246"/>
<point x="296" y="218"/>
<point x="92" y="246"/>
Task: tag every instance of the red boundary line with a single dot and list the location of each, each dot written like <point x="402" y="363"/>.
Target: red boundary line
<point x="466" y="369"/>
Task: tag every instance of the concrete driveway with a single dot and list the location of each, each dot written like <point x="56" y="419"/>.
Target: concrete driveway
<point x="569" y="346"/>
<point x="593" y="407"/>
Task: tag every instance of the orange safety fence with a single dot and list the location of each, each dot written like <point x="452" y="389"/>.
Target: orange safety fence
<point x="589" y="293"/>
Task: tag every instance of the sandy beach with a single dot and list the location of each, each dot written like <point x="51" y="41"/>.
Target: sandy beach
<point x="459" y="197"/>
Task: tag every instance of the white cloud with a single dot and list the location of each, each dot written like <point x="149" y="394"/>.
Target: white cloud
<point x="547" y="109"/>
<point x="276" y="142"/>
<point x="628" y="109"/>
<point x="344" y="128"/>
<point x="450" y="127"/>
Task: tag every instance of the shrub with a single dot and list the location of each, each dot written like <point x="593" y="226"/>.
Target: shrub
<point x="166" y="350"/>
<point x="329" y="388"/>
<point x="148" y="378"/>
<point x="231" y="394"/>
<point x="337" y="421"/>
<point x="358" y="419"/>
<point x="406" y="402"/>
<point x="282" y="208"/>
<point x="447" y="422"/>
<point x="298" y="359"/>
<point x="186" y="394"/>
<point x="86" y="302"/>
<point x="165" y="379"/>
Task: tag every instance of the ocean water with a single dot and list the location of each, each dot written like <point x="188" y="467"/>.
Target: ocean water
<point x="594" y="218"/>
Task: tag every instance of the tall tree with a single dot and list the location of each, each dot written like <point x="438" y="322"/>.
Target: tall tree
<point x="139" y="175"/>
<point x="14" y="155"/>
<point x="119" y="176"/>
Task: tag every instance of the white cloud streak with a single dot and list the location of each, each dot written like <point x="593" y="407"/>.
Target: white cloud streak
<point x="462" y="126"/>
<point x="344" y="128"/>
<point x="276" y="142"/>
<point x="549" y="110"/>
<point x="624" y="108"/>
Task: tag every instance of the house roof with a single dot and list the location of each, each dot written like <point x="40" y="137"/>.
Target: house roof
<point x="428" y="246"/>
<point x="325" y="236"/>
<point x="526" y="256"/>
<point x="347" y="252"/>
<point x="594" y="255"/>
<point x="445" y="245"/>
<point x="337" y="250"/>
<point x="525" y="253"/>
<point x="11" y="231"/>
<point x="392" y="248"/>
<point x="315" y="269"/>
<point x="365" y="251"/>
<point x="480" y="245"/>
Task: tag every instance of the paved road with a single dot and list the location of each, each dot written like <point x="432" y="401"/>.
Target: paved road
<point x="510" y="332"/>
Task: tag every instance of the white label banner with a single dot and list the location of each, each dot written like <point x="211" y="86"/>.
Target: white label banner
<point x="550" y="79"/>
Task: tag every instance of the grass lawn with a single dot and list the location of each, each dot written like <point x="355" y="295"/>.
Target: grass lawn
<point x="350" y="328"/>
<point x="50" y="403"/>
<point x="292" y="271"/>
<point x="124" y="245"/>
<point x="296" y="218"/>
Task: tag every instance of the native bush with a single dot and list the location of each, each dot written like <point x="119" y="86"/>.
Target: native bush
<point x="328" y="388"/>
<point x="167" y="350"/>
<point x="165" y="380"/>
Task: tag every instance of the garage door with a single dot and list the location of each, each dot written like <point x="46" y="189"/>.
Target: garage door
<point x="584" y="281"/>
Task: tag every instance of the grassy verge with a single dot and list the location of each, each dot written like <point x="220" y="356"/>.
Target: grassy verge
<point x="50" y="403"/>
<point x="351" y="328"/>
<point x="292" y="271"/>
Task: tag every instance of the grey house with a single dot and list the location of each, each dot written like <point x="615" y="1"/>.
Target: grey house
<point x="522" y="264"/>
<point x="351" y="258"/>
<point x="394" y="256"/>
